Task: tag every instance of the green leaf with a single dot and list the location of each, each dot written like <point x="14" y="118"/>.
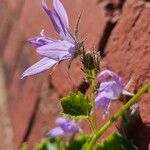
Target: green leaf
<point x="116" y="142"/>
<point x="77" y="144"/>
<point x="50" y="144"/>
<point x="76" y="105"/>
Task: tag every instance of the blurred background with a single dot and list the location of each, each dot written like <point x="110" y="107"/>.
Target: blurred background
<point x="120" y="29"/>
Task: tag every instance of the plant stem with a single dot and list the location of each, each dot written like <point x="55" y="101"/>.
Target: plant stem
<point x="91" y="125"/>
<point x="93" y="99"/>
<point x="117" y="115"/>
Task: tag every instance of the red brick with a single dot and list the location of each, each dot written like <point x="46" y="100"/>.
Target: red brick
<point x="13" y="50"/>
<point x="34" y="19"/>
<point x="9" y="14"/>
<point x="128" y="52"/>
<point x="22" y="95"/>
<point x="6" y="131"/>
<point x="46" y="114"/>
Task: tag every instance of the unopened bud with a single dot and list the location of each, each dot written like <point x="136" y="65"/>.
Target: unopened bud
<point x="91" y="60"/>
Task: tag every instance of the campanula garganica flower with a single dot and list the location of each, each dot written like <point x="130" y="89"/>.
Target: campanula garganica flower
<point x="110" y="89"/>
<point x="53" y="51"/>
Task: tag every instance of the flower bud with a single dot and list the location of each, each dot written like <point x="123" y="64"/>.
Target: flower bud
<point x="90" y="60"/>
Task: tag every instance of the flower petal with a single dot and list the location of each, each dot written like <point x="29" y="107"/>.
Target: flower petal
<point x="57" y="50"/>
<point x="62" y="120"/>
<point x="60" y="10"/>
<point x="62" y="15"/>
<point x="40" y="41"/>
<point x="58" y="131"/>
<point x="60" y="29"/>
<point x="67" y="125"/>
<point x="106" y="74"/>
<point x="103" y="101"/>
<point x="112" y="87"/>
<point x="59" y="22"/>
<point x="109" y="90"/>
<point x="40" y="66"/>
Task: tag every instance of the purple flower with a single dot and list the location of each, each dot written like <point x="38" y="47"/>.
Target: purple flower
<point x="110" y="89"/>
<point x="65" y="125"/>
<point x="52" y="50"/>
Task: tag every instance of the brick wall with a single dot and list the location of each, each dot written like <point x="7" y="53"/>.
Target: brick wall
<point x="28" y="107"/>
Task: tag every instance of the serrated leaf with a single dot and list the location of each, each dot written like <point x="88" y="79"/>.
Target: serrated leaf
<point x="76" y="105"/>
<point x="116" y="142"/>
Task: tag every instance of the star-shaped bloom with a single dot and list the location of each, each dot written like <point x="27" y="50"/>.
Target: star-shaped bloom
<point x="53" y="51"/>
<point x="65" y="126"/>
<point x="110" y="89"/>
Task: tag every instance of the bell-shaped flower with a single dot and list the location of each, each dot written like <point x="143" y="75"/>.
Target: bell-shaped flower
<point x="110" y="89"/>
<point x="65" y="126"/>
<point x="53" y="51"/>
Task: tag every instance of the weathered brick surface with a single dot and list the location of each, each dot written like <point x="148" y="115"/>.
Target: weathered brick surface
<point x="128" y="53"/>
<point x="47" y="110"/>
<point x="130" y="44"/>
<point x="10" y="12"/>
<point x="7" y="134"/>
<point x="33" y="102"/>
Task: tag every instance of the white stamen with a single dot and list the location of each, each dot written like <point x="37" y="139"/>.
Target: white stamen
<point x="42" y="32"/>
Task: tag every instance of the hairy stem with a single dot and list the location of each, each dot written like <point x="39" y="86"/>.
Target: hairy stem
<point x="93" y="100"/>
<point x="117" y="115"/>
